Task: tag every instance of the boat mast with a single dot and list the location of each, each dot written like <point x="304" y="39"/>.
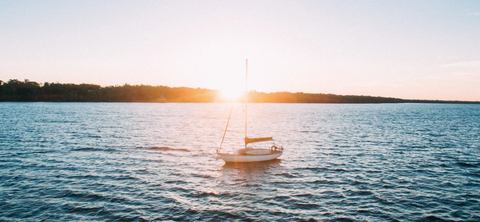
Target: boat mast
<point x="246" y="101"/>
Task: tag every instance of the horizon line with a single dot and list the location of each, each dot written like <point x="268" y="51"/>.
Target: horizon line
<point x="118" y="85"/>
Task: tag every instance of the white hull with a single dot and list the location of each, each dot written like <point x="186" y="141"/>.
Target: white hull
<point x="237" y="158"/>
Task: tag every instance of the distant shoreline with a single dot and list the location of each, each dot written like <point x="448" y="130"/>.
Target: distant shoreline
<point x="29" y="91"/>
<point x="407" y="102"/>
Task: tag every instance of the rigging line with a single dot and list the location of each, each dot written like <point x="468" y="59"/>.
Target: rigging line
<point x="246" y="98"/>
<point x="224" y="133"/>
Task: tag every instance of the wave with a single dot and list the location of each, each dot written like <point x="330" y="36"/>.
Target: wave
<point x="199" y="194"/>
<point x="306" y="206"/>
<point x="315" y="169"/>
<point x="83" y="195"/>
<point x="309" y="195"/>
<point x="340" y="170"/>
<point x="92" y="149"/>
<point x="433" y="218"/>
<point x="175" y="182"/>
<point x="465" y="164"/>
<point x="164" y="148"/>
<point x="202" y="175"/>
<point x="86" y="149"/>
<point x="288" y="175"/>
<point x="360" y="193"/>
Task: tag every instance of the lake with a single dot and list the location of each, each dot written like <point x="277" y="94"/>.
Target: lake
<point x="157" y="161"/>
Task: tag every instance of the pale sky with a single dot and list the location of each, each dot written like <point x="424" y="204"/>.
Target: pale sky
<point x="405" y="49"/>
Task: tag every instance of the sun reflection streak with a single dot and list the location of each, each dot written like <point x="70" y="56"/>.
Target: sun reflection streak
<point x="249" y="171"/>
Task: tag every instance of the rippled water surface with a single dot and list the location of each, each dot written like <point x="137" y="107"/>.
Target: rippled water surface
<point x="136" y="161"/>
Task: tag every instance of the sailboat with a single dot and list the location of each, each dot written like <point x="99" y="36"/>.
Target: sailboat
<point x="249" y="154"/>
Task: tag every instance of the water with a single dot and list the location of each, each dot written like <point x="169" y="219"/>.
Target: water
<point x="136" y="161"/>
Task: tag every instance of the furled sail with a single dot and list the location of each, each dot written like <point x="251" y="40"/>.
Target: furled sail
<point x="254" y="140"/>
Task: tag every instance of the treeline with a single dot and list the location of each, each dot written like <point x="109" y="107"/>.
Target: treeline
<point x="30" y="91"/>
<point x="288" y="97"/>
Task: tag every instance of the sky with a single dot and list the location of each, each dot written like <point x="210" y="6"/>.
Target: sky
<point x="406" y="49"/>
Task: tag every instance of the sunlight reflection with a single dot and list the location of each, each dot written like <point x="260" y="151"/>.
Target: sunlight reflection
<point x="249" y="171"/>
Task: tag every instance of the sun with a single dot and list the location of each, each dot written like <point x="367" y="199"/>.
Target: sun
<point x="231" y="94"/>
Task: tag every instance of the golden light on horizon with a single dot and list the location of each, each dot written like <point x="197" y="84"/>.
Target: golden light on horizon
<point x="231" y="94"/>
